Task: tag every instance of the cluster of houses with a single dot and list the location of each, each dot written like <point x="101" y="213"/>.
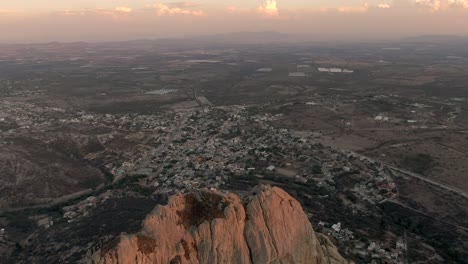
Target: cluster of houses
<point x="207" y="147"/>
<point x="376" y="251"/>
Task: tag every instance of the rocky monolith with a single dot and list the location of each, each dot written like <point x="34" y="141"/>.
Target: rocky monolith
<point x="207" y="227"/>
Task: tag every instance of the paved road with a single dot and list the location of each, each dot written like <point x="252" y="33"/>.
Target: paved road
<point x="52" y="203"/>
<point x="427" y="215"/>
<point x="420" y="177"/>
<point x="429" y="181"/>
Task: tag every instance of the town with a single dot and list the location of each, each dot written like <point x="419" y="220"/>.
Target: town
<point x="363" y="140"/>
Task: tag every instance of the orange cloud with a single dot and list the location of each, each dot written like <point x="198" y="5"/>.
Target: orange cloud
<point x="236" y="9"/>
<point x="10" y="12"/>
<point x="7" y="11"/>
<point x="354" y="9"/>
<point x="123" y="9"/>
<point x="458" y="3"/>
<point x="269" y="8"/>
<point x="69" y="13"/>
<point x="384" y="6"/>
<point x="433" y="5"/>
<point x="117" y="13"/>
<point x="163" y="10"/>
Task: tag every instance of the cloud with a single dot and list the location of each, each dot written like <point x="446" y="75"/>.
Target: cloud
<point x="185" y="5"/>
<point x="458" y="3"/>
<point x="10" y="12"/>
<point x="354" y="9"/>
<point x="237" y="10"/>
<point x="269" y="8"/>
<point x="350" y="21"/>
<point x="383" y="6"/>
<point x="7" y="11"/>
<point x="432" y="5"/>
<point x="177" y="9"/>
<point x="123" y="9"/>
<point x="171" y="9"/>
<point x="439" y="5"/>
<point x="70" y="13"/>
<point x="116" y="13"/>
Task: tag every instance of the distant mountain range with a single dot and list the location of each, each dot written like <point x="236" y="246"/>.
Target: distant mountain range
<point x="436" y="39"/>
<point x="271" y="37"/>
<point x="279" y="37"/>
<point x="256" y="37"/>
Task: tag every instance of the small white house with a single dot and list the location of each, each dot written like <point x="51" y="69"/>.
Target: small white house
<point x="336" y="227"/>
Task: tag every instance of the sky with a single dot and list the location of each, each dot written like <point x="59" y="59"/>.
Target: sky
<point x="108" y="20"/>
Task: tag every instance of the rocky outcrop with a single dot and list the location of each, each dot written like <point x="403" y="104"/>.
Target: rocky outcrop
<point x="212" y="227"/>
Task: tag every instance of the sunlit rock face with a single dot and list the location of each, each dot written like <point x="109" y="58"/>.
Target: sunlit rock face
<point x="213" y="227"/>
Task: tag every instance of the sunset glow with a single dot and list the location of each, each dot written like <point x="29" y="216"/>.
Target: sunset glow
<point x="56" y="20"/>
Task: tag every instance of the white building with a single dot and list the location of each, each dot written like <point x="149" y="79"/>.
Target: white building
<point x="162" y="91"/>
<point x="334" y="70"/>
<point x="297" y="74"/>
<point x="336" y="227"/>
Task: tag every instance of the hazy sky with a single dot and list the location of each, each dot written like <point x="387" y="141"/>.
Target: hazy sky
<point x="100" y="20"/>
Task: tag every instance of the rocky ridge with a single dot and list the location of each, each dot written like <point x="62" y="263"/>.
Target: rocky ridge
<point x="213" y="227"/>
